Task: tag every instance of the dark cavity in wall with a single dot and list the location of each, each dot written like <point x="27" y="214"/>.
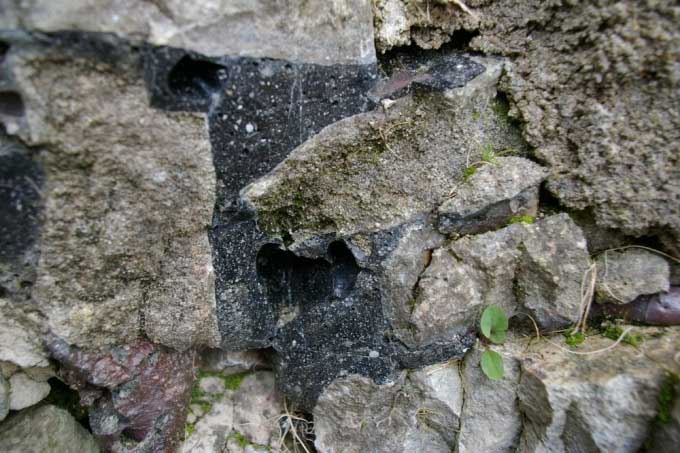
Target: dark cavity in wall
<point x="409" y="69"/>
<point x="21" y="179"/>
<point x="196" y="78"/>
<point x="4" y="47"/>
<point x="296" y="281"/>
<point x="11" y="104"/>
<point x="63" y="396"/>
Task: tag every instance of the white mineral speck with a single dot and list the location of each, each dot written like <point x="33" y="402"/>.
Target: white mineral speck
<point x="374" y="354"/>
<point x="250" y="128"/>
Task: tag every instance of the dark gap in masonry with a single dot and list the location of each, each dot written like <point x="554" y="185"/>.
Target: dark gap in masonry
<point x="4" y="48"/>
<point x="63" y="396"/>
<point x="192" y="77"/>
<point x="292" y="280"/>
<point x="11" y="104"/>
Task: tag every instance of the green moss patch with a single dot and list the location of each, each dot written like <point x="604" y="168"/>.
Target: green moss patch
<point x="613" y="332"/>
<point x="667" y="397"/>
<point x="521" y="219"/>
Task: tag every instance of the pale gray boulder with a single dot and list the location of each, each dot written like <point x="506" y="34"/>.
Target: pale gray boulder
<point x="419" y="410"/>
<point x="491" y="421"/>
<point x="623" y="275"/>
<point x="43" y="429"/>
<point x="25" y="391"/>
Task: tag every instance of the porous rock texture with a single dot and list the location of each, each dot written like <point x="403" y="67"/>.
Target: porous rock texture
<point x="232" y="226"/>
<point x="418" y="410"/>
<point x="502" y="189"/>
<point x="594" y="84"/>
<point x="111" y="266"/>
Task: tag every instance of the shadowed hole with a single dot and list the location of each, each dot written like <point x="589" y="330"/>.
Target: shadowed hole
<point x="11" y="104"/>
<point x="291" y="279"/>
<point x="195" y="78"/>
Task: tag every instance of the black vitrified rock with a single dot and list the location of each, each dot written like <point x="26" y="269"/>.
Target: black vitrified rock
<point x="320" y="309"/>
<point x="21" y="179"/>
<point x="330" y="320"/>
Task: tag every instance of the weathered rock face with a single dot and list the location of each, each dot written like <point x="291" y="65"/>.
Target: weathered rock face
<point x="311" y="31"/>
<point x="138" y="393"/>
<point x="502" y="188"/>
<point x="418" y="410"/>
<point x="4" y="397"/>
<point x="111" y="265"/>
<point x="535" y="269"/>
<point x="490" y="419"/>
<point x="354" y="175"/>
<point x="25" y="392"/>
<point x="45" y="428"/>
<point x="594" y="88"/>
<point x="612" y="410"/>
<point x="625" y="275"/>
<point x="548" y="400"/>
<point x="245" y="409"/>
<point x="247" y="175"/>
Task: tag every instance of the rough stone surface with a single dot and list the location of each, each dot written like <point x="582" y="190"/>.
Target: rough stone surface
<point x="317" y="300"/>
<point x="500" y="189"/>
<point x="376" y="170"/>
<point x="428" y="24"/>
<point x="600" y="402"/>
<point x="25" y="392"/>
<point x="317" y="31"/>
<point x="624" y="275"/>
<point x="4" y="397"/>
<point x="21" y="179"/>
<point x="19" y="339"/>
<point x="418" y="411"/>
<point x="594" y="86"/>
<point x="45" y="428"/>
<point x="523" y="268"/>
<point x="138" y="393"/>
<point x="666" y="435"/>
<point x="250" y="411"/>
<point x="491" y="421"/>
<point x="128" y="198"/>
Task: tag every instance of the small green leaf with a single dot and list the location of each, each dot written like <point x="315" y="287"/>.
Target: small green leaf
<point x="494" y="324"/>
<point x="492" y="364"/>
<point x="498" y="336"/>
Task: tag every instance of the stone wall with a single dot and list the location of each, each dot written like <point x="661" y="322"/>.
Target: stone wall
<point x="243" y="226"/>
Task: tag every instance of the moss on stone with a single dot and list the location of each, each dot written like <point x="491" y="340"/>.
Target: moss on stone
<point x="521" y="219"/>
<point x="667" y="397"/>
<point x="468" y="172"/>
<point x="613" y="332"/>
<point x="243" y="442"/>
<point x="189" y="430"/>
<point x="231" y="381"/>
<point x="574" y="339"/>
